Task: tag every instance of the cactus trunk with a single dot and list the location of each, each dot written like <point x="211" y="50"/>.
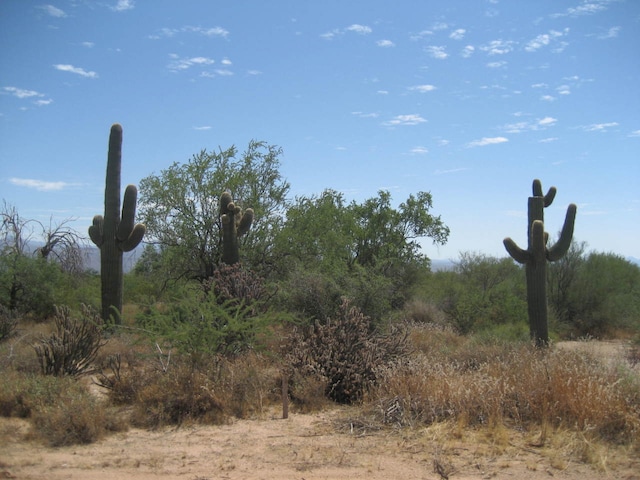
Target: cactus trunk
<point x="112" y="234"/>
<point x="535" y="259"/>
<point x="233" y="227"/>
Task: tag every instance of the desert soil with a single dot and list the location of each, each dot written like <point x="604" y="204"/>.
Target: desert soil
<point x="324" y="445"/>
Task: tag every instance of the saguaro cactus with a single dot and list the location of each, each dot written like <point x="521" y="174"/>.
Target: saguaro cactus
<point x="233" y="227"/>
<point x="535" y="258"/>
<point x="113" y="234"/>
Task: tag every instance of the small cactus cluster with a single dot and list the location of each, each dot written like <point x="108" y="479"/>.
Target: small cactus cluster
<point x="537" y="254"/>
<point x="234" y="225"/>
<point x="112" y="233"/>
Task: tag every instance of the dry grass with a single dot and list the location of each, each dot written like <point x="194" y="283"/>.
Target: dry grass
<point x="491" y="388"/>
<point x="509" y="384"/>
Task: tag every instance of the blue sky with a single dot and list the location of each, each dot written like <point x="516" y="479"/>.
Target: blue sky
<point x="470" y="100"/>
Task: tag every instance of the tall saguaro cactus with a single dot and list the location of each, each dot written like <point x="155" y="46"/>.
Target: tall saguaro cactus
<point x="537" y="254"/>
<point x="112" y="233"/>
<point x="233" y="227"/>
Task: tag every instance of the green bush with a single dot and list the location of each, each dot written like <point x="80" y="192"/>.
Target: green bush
<point x="198" y="324"/>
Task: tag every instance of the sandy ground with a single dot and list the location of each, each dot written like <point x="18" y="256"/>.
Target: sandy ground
<point x="305" y="447"/>
<point x="324" y="445"/>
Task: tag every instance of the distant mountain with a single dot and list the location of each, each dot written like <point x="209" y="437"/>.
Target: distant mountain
<point x="440" y="264"/>
<point x="129" y="259"/>
<point x="634" y="260"/>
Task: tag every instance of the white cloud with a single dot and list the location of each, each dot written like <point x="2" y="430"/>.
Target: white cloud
<point x="437" y="52"/>
<point x="177" y="64"/>
<point x="611" y="33"/>
<point x="254" y="72"/>
<point x="520" y="127"/>
<point x="204" y="127"/>
<point x="365" y="115"/>
<point x="423" y="88"/>
<point x="123" y="5"/>
<point x="635" y="133"/>
<point x="411" y="119"/>
<point x="385" y="43"/>
<point x="77" y="70"/>
<point x="457" y="34"/>
<point x="467" y="51"/>
<point x="53" y="11"/>
<point x="588" y="7"/>
<point x="207" y="32"/>
<point x="488" y="141"/>
<point x="564" y="90"/>
<point x="21" y="93"/>
<point x="42" y="103"/>
<point x="382" y="92"/>
<point x="599" y="127"/>
<point x="498" y="47"/>
<point x="452" y="170"/>
<point x="226" y="61"/>
<point x="88" y="44"/>
<point x="419" y="151"/>
<point x="361" y="29"/>
<point x="40" y="185"/>
<point x="548" y="98"/>
<point x="547" y="121"/>
<point x="548" y="140"/>
<point x="499" y="64"/>
<point x="544" y="39"/>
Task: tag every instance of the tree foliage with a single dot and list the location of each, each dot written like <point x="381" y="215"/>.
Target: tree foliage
<point x="180" y="207"/>
<point x="371" y="250"/>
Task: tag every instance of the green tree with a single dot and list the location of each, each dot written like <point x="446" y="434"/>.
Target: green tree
<point x="605" y="297"/>
<point x="370" y="250"/>
<point x="181" y="208"/>
<point x="561" y="280"/>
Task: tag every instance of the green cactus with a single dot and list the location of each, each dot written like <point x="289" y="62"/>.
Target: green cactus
<point x="233" y="227"/>
<point x="537" y="254"/>
<point x="112" y="234"/>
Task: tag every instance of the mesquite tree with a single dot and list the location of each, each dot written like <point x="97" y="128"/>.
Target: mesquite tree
<point x="537" y="254"/>
<point x="112" y="233"/>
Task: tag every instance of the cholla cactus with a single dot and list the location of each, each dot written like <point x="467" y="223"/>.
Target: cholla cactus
<point x="233" y="226"/>
<point x="537" y="254"/>
<point x="112" y="233"/>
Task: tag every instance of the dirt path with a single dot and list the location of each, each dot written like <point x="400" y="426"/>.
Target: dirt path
<point x="302" y="447"/>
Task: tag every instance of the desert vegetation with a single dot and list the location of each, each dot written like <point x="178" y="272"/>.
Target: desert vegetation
<point x="325" y="302"/>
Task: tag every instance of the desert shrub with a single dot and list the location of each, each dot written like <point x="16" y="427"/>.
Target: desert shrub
<point x="185" y="392"/>
<point x="197" y="392"/>
<point x="76" y="418"/>
<point x="60" y="409"/>
<point x="344" y="352"/>
<point x="236" y="283"/>
<point x="424" y="312"/>
<point x="8" y="323"/>
<point x="310" y="295"/>
<point x="73" y="346"/>
<point x="21" y="394"/>
<point x="196" y="323"/>
<point x="510" y="383"/>
<point x="29" y="285"/>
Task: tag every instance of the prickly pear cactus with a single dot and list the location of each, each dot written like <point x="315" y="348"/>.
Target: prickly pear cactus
<point x="537" y="254"/>
<point x="112" y="233"/>
<point x="234" y="225"/>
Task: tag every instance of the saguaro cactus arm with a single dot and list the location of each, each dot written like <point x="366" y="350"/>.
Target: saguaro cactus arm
<point x="564" y="242"/>
<point x="517" y="253"/>
<point x="129" y="234"/>
<point x="537" y="192"/>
